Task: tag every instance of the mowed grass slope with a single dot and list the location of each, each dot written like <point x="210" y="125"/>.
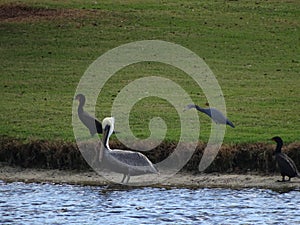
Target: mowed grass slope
<point x="252" y="48"/>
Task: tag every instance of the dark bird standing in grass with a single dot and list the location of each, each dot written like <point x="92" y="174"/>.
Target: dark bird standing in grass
<point x="213" y="113"/>
<point x="286" y="164"/>
<point x="128" y="163"/>
<point x="90" y="122"/>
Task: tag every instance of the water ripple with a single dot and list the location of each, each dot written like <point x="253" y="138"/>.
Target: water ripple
<point x="56" y="204"/>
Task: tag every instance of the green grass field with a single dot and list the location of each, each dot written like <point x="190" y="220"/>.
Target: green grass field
<point x="253" y="48"/>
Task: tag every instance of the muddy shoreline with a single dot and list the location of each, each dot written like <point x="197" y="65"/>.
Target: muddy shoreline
<point x="235" y="166"/>
<point x="179" y="180"/>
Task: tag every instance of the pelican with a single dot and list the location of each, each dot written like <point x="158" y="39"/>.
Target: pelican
<point x="286" y="164"/>
<point x="216" y="115"/>
<point x="90" y="122"/>
<point x="128" y="163"/>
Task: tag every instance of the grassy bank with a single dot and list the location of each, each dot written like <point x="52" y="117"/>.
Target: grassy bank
<point x="252" y="48"/>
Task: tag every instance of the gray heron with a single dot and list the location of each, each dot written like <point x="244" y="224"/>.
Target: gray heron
<point x="216" y="115"/>
<point x="90" y="122"/>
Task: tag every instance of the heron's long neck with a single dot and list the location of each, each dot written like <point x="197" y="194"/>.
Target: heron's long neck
<point x="80" y="107"/>
<point x="206" y="111"/>
<point x="278" y="147"/>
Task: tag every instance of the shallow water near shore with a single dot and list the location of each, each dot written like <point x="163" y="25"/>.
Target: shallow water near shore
<point x="47" y="203"/>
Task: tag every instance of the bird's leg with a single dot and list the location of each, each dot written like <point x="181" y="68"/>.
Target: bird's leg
<point x="124" y="175"/>
<point x="128" y="177"/>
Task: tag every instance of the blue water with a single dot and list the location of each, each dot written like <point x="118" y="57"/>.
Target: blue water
<point x="22" y="203"/>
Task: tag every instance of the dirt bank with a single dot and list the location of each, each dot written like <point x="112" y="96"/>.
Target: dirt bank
<point x="22" y="13"/>
<point x="180" y="180"/>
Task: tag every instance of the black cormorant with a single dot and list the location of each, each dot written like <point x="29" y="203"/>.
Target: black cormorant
<point x="286" y="164"/>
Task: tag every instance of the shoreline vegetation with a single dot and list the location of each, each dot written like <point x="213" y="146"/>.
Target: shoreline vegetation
<point x="236" y="166"/>
<point x="234" y="158"/>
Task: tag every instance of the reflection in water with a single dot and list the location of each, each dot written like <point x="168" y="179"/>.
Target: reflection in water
<point x="59" y="204"/>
